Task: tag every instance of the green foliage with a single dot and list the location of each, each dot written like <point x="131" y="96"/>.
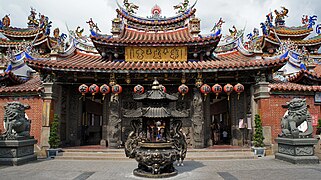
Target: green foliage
<point x="319" y="123"/>
<point x="54" y="139"/>
<point x="258" y="135"/>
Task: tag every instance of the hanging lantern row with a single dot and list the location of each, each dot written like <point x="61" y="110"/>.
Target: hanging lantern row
<point x="103" y="89"/>
<point x="217" y="89"/>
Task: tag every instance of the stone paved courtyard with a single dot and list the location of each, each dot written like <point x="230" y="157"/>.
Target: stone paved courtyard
<point x="262" y="168"/>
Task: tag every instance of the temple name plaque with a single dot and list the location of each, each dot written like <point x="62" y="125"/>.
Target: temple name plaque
<point x="156" y="54"/>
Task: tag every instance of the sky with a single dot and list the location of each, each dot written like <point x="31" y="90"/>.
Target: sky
<point x="241" y="13"/>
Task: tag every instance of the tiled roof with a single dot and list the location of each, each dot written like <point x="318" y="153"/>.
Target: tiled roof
<point x="19" y="32"/>
<point x="7" y="43"/>
<point x="157" y="22"/>
<point x="308" y="42"/>
<point x="32" y="85"/>
<point x="134" y="37"/>
<point x="292" y="31"/>
<point x="94" y="63"/>
<point x="304" y="73"/>
<point x="288" y="86"/>
<point x="13" y="43"/>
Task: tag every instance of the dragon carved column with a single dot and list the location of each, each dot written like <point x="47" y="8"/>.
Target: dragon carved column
<point x="198" y="120"/>
<point x="114" y="122"/>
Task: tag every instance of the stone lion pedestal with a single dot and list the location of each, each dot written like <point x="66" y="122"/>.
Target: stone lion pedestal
<point x="297" y="151"/>
<point x="17" y="152"/>
<point x="16" y="144"/>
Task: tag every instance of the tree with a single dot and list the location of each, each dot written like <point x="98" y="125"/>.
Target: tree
<point x="54" y="139"/>
<point x="258" y="135"/>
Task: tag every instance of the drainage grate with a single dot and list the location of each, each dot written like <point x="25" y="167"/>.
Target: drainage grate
<point x="84" y="176"/>
<point x="226" y="176"/>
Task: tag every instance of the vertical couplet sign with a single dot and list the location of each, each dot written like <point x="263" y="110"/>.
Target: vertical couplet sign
<point x="156" y="54"/>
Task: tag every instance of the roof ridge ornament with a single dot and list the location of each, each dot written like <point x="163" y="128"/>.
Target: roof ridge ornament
<point x="181" y="7"/>
<point x="130" y="7"/>
<point x="280" y="16"/>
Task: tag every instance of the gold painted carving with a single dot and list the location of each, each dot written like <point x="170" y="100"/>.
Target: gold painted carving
<point x="156" y="54"/>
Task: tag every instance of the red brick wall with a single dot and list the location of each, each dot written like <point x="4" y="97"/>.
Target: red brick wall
<point x="34" y="113"/>
<point x="271" y="111"/>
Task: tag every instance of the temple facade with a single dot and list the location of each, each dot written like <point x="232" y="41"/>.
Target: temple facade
<point x="220" y="81"/>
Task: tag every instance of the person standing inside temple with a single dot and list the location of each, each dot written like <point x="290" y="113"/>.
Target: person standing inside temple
<point x="215" y="132"/>
<point x="224" y="135"/>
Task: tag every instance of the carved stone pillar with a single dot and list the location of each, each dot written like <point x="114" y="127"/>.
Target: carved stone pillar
<point x="47" y="114"/>
<point x="114" y="122"/>
<point x="103" y="141"/>
<point x="261" y="90"/>
<point x="198" y="120"/>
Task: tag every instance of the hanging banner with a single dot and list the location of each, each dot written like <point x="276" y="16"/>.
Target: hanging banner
<point x="314" y="119"/>
<point x="156" y="54"/>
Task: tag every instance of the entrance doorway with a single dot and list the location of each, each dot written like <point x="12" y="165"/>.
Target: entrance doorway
<point x="220" y="121"/>
<point x="92" y="122"/>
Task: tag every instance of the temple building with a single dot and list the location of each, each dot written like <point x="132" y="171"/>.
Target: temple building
<point x="220" y="81"/>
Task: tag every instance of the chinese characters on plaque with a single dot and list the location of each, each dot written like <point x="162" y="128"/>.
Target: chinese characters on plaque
<point x="156" y="54"/>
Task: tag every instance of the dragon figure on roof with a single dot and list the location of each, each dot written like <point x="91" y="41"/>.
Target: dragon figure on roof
<point x="182" y="7"/>
<point x="130" y="7"/>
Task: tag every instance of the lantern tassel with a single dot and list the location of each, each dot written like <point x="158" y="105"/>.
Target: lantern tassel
<point x="228" y="97"/>
<point x="103" y="97"/>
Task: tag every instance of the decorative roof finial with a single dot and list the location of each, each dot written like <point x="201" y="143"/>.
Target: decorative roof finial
<point x="155" y="84"/>
<point x="156" y="11"/>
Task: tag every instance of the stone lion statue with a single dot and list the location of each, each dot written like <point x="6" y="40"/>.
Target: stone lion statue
<point x="15" y="122"/>
<point x="297" y="114"/>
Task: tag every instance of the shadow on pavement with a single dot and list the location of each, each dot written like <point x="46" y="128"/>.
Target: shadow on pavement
<point x="189" y="166"/>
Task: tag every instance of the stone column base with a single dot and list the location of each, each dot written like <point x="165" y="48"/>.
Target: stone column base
<point x="297" y="151"/>
<point x="17" y="152"/>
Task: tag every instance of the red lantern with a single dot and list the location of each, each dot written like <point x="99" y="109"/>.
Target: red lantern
<point x="139" y="89"/>
<point x="183" y="89"/>
<point x="217" y="89"/>
<point x="228" y="88"/>
<point x="116" y="89"/>
<point x="205" y="89"/>
<point x="104" y="89"/>
<point x="239" y="88"/>
<point x="93" y="89"/>
<point x="83" y="89"/>
<point x="162" y="88"/>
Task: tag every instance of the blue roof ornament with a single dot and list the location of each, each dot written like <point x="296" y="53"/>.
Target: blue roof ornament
<point x="93" y="27"/>
<point x="318" y="29"/>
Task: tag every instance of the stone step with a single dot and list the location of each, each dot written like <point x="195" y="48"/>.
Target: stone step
<point x="119" y="154"/>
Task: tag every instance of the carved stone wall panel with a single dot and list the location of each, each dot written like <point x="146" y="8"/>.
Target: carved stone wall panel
<point x="304" y="150"/>
<point x="286" y="149"/>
